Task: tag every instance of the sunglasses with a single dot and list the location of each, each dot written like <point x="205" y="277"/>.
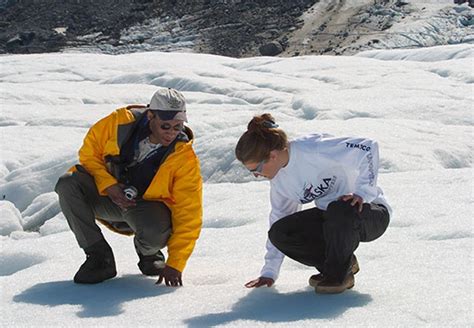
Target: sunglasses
<point x="258" y="170"/>
<point x="167" y="126"/>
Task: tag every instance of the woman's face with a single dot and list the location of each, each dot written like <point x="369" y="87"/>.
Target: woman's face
<point x="164" y="132"/>
<point x="267" y="168"/>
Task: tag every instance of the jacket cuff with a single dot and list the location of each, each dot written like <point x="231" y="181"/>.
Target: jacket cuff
<point x="176" y="264"/>
<point x="102" y="185"/>
<point x="269" y="274"/>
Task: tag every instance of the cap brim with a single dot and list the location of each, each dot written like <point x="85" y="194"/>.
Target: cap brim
<point x="168" y="115"/>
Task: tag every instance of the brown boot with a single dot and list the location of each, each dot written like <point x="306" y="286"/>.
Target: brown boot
<point x="329" y="286"/>
<point x="315" y="279"/>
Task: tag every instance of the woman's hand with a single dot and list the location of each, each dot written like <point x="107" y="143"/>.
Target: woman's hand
<point x="260" y="282"/>
<point x="115" y="193"/>
<point x="356" y="200"/>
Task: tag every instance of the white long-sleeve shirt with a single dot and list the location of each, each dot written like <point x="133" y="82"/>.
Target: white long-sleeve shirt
<point x="321" y="168"/>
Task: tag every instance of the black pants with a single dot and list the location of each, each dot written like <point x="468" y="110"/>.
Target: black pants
<point x="327" y="239"/>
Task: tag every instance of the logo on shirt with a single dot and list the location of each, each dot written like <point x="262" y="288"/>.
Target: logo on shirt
<point x="311" y="192"/>
<point x="359" y="146"/>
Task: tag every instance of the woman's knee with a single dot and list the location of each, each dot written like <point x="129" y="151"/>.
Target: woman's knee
<point x="375" y="226"/>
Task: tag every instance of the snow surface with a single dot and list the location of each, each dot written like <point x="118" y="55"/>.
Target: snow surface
<point x="417" y="103"/>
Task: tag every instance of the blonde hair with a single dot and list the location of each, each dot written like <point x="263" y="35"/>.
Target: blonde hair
<point x="262" y="136"/>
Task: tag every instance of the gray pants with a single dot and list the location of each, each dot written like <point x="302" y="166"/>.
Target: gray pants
<point x="81" y="204"/>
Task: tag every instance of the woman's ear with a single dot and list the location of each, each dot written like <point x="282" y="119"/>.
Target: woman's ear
<point x="273" y="155"/>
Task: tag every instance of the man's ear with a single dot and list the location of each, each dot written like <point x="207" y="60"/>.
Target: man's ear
<point x="150" y="115"/>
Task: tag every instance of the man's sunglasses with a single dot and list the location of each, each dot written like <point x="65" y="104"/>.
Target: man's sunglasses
<point x="258" y="170"/>
<point x="166" y="126"/>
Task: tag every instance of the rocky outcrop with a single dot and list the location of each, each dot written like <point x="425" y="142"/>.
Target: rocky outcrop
<point x="225" y="27"/>
<point x="55" y="24"/>
<point x="237" y="28"/>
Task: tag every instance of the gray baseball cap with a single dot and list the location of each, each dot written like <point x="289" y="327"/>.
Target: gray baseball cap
<point x="168" y="104"/>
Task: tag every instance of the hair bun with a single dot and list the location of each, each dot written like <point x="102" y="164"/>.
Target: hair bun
<point x="269" y="124"/>
<point x="262" y="122"/>
<point x="262" y="136"/>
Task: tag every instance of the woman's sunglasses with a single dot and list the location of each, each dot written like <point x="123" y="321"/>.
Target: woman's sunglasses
<point x="258" y="170"/>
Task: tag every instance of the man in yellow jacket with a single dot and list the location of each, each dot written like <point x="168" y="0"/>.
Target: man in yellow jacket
<point x="138" y="174"/>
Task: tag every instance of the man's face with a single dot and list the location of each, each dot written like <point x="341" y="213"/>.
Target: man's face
<point x="165" y="132"/>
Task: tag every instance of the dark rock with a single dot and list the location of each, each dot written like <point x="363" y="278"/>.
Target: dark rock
<point x="386" y="26"/>
<point x="20" y="40"/>
<point x="401" y="3"/>
<point x="271" y="49"/>
<point x="27" y="37"/>
<point x="225" y="27"/>
<point x="13" y="43"/>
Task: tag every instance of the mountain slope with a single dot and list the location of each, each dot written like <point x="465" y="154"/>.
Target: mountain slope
<point x="236" y="28"/>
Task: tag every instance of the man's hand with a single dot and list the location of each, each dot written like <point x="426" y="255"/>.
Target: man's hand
<point x="115" y="193"/>
<point x="171" y="276"/>
<point x="261" y="281"/>
<point x="356" y="200"/>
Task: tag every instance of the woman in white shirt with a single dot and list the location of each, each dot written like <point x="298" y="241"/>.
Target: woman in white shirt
<point x="340" y="176"/>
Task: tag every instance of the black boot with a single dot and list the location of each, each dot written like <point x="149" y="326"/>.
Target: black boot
<point x="99" y="265"/>
<point x="151" y="265"/>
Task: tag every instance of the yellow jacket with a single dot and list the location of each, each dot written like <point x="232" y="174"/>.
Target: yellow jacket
<point x="177" y="183"/>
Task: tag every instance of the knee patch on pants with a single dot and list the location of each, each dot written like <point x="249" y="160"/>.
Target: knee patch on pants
<point x="64" y="183"/>
<point x="153" y="239"/>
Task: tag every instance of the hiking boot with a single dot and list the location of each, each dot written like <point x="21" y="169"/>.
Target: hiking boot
<point x="315" y="279"/>
<point x="99" y="264"/>
<point x="151" y="265"/>
<point x="330" y="286"/>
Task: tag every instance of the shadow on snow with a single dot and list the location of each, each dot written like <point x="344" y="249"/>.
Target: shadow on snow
<point x="268" y="305"/>
<point x="99" y="300"/>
